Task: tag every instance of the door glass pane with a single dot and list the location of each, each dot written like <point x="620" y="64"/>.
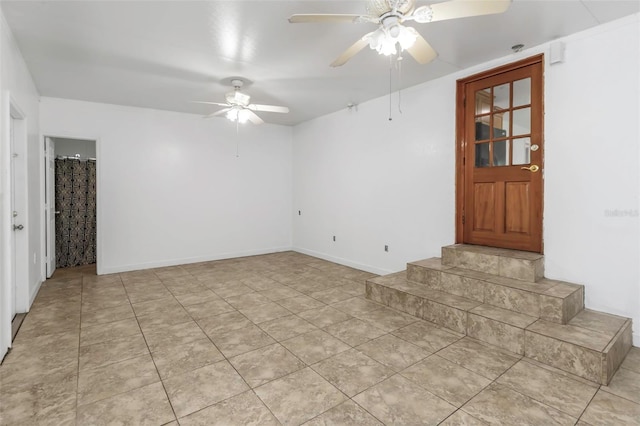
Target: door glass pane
<point x="522" y="121"/>
<point x="521" y="151"/>
<point x="501" y="125"/>
<point x="522" y="92"/>
<point x="482" y="154"/>
<point x="483" y="130"/>
<point x="501" y="97"/>
<point x="483" y="101"/>
<point x="501" y="153"/>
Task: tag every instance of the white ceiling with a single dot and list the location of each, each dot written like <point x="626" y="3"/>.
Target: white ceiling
<point x="163" y="54"/>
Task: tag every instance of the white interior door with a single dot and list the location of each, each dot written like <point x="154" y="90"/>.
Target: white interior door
<point x="50" y="204"/>
<point x="15" y="221"/>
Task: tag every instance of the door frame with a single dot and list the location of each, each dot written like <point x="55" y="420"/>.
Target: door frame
<point x="461" y="138"/>
<point x="99" y="215"/>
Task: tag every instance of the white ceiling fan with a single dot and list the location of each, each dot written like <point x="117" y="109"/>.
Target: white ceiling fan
<point x="238" y="109"/>
<point x="390" y="15"/>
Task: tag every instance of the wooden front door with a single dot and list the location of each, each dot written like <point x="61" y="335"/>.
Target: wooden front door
<point x="499" y="157"/>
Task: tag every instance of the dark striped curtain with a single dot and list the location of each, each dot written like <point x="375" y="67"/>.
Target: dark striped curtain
<point x="76" y="222"/>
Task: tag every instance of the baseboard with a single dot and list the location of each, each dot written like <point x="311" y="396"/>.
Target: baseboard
<point x="345" y="262"/>
<point x="636" y="339"/>
<point x="185" y="261"/>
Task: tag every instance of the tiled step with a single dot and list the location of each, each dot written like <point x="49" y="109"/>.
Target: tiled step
<point x="592" y="345"/>
<point x="551" y="300"/>
<point x="519" y="265"/>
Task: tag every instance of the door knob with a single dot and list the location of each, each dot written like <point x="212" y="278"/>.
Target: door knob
<point x="18" y="227"/>
<point x="57" y="212"/>
<point x="533" y="168"/>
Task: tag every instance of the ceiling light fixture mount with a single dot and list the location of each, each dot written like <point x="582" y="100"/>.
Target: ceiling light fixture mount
<point x="517" y="47"/>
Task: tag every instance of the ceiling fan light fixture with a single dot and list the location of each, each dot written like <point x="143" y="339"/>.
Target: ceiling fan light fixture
<point x="243" y="116"/>
<point x="407" y="37"/>
<point x="423" y="14"/>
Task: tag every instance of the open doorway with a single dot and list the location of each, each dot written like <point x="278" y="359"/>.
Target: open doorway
<point x="70" y="203"/>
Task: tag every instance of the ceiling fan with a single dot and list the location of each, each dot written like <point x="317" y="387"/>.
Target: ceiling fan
<point x="390" y="15"/>
<point x="238" y="109"/>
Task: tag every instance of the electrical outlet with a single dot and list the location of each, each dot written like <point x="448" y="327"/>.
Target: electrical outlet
<point x="386" y="247"/>
<point x="334" y="238"/>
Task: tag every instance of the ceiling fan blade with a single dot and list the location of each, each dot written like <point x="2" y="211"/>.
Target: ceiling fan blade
<point x="327" y="18"/>
<point x="268" y="108"/>
<point x="422" y="51"/>
<point x="209" y="103"/>
<point x="350" y="52"/>
<point x="253" y="117"/>
<point x="217" y="113"/>
<point x="463" y="8"/>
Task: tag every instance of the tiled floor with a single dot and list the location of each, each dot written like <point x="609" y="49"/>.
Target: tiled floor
<point x="275" y="339"/>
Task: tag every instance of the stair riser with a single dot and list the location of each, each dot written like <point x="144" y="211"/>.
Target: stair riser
<point x="590" y="364"/>
<point x="496" y="333"/>
<point x="443" y="315"/>
<point x="510" y="267"/>
<point x="550" y="308"/>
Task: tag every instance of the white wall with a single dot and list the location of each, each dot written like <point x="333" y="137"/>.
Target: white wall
<point x="372" y="182"/>
<point x="171" y="189"/>
<point x="16" y="81"/>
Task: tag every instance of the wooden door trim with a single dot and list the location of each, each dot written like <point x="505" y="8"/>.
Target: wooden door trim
<point x="461" y="142"/>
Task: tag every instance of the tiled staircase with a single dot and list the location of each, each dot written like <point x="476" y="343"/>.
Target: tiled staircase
<point x="501" y="297"/>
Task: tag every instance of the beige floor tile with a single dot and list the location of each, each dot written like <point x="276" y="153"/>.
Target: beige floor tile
<point x="393" y="352"/>
<point x="47" y="399"/>
<point x="109" y="331"/>
<point x="607" y="409"/>
<point x="165" y="318"/>
<point x="498" y="404"/>
<point x="558" y="391"/>
<point x="179" y="334"/>
<point x="354" y="331"/>
<point x="287" y="327"/>
<point x="387" y="319"/>
<point x="197" y="389"/>
<point x="487" y="361"/>
<point x="356" y="305"/>
<point x="352" y="372"/>
<point x="398" y="401"/>
<point x="196" y="298"/>
<point x="231" y="290"/>
<point x="244" y="409"/>
<point x="100" y="383"/>
<point x="112" y="351"/>
<point x="147" y="405"/>
<point x="175" y="360"/>
<point x="346" y="414"/>
<point x="247" y="300"/>
<point x="626" y="384"/>
<point x="265" y="312"/>
<point x="315" y="346"/>
<point x="107" y="315"/>
<point x="223" y="323"/>
<point x="242" y="340"/>
<point x="632" y="361"/>
<point x="299" y="397"/>
<point x="324" y="316"/>
<point x="184" y="288"/>
<point x="266" y="364"/>
<point x="332" y="295"/>
<point x="460" y="418"/>
<point x="104" y="302"/>
<point x="449" y="381"/>
<point x="300" y="303"/>
<point x="155" y="306"/>
<point x="209" y="309"/>
<point x="428" y="336"/>
<point x="279" y="292"/>
<point x="148" y="293"/>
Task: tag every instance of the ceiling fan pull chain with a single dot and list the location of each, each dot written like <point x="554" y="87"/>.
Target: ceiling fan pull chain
<point x="390" y="88"/>
<point x="400" y="83"/>
<point x="237" y="139"/>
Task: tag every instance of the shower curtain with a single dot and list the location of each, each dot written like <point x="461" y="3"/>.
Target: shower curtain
<point x="75" y="181"/>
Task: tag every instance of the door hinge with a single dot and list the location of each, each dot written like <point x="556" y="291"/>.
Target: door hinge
<point x="463" y="218"/>
<point x="464" y="102"/>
